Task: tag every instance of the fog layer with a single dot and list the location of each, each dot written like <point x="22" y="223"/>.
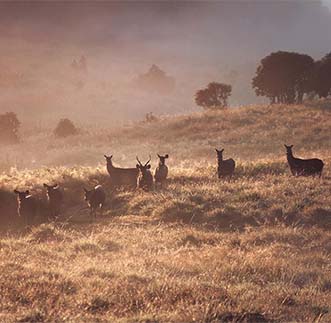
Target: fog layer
<point x="193" y="42"/>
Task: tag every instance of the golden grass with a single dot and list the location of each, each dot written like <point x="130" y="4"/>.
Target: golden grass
<point x="253" y="249"/>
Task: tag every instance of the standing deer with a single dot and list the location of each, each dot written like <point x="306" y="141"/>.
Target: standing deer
<point x="95" y="199"/>
<point x="121" y="176"/>
<point x="145" y="180"/>
<point x="26" y="206"/>
<point x="161" y="172"/>
<point x="225" y="166"/>
<point x="55" y="199"/>
<point x="303" y="167"/>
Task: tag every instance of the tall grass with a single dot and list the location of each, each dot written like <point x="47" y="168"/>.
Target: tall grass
<point x="253" y="249"/>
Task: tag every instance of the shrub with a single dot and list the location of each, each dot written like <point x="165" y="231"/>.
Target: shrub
<point x="150" y="117"/>
<point x="9" y="126"/>
<point x="65" y="128"/>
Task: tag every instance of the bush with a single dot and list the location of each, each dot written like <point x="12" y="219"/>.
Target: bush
<point x="9" y="126"/>
<point x="65" y="128"/>
<point x="150" y="117"/>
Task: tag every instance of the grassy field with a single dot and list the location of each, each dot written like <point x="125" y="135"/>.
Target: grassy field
<point x="253" y="249"/>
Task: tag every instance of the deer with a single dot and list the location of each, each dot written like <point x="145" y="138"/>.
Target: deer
<point x="225" y="166"/>
<point x="145" y="180"/>
<point x="161" y="172"/>
<point x="26" y="206"/>
<point x="303" y="167"/>
<point x="95" y="199"/>
<point x="55" y="199"/>
<point x="121" y="176"/>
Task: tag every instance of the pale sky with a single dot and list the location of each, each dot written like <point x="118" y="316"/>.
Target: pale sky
<point x="327" y="3"/>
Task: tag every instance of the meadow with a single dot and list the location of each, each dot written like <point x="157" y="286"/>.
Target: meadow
<point x="256" y="248"/>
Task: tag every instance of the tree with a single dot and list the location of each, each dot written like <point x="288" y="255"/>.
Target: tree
<point x="283" y="77"/>
<point x="65" y="128"/>
<point x="155" y="80"/>
<point x="321" y="77"/>
<point x="215" y="96"/>
<point x="9" y="126"/>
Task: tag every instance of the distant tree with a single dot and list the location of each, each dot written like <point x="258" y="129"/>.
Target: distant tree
<point x="283" y="77"/>
<point x="321" y="77"/>
<point x="155" y="80"/>
<point x="65" y="128"/>
<point x="9" y="126"/>
<point x="215" y="96"/>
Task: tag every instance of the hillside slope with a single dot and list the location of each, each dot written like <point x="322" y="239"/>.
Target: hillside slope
<point x="256" y="248"/>
<point x="247" y="133"/>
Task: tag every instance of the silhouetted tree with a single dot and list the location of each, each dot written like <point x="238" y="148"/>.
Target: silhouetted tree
<point x="9" y="126"/>
<point x="215" y="96"/>
<point x="321" y="77"/>
<point x="283" y="77"/>
<point x="65" y="128"/>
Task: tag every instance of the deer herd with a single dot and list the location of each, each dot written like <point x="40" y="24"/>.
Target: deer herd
<point x="141" y="177"/>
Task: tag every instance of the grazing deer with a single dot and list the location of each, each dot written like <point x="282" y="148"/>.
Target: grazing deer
<point x="161" y="172"/>
<point x="121" y="176"/>
<point x="55" y="199"/>
<point x="225" y="166"/>
<point x="303" y="167"/>
<point x="145" y="180"/>
<point x="26" y="206"/>
<point x="95" y="199"/>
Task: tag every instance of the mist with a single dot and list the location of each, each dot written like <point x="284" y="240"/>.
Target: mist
<point x="193" y="42"/>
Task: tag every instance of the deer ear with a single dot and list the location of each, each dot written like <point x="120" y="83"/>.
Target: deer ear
<point x="291" y="146"/>
<point x="216" y="150"/>
<point x="166" y="156"/>
<point x="222" y="150"/>
<point x="27" y="192"/>
<point x="45" y="185"/>
<point x="16" y="191"/>
<point x="148" y="166"/>
<point x="137" y="166"/>
<point x="285" y="146"/>
<point x="158" y="155"/>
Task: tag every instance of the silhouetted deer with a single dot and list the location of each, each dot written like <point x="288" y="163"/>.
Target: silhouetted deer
<point x="145" y="180"/>
<point x="303" y="167"/>
<point x="26" y="206"/>
<point x="95" y="199"/>
<point x="121" y="176"/>
<point x="161" y="172"/>
<point x="225" y="166"/>
<point x="55" y="199"/>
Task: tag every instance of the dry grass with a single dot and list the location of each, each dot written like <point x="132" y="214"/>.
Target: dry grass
<point x="255" y="249"/>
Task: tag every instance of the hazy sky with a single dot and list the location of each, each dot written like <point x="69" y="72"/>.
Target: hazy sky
<point x="327" y="3"/>
<point x="195" y="42"/>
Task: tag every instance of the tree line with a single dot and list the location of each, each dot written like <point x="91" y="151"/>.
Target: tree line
<point x="282" y="77"/>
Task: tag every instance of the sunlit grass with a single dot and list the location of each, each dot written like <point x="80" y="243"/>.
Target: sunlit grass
<point x="254" y="248"/>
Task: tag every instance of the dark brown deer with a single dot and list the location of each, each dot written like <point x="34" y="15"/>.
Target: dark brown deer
<point x="26" y="206"/>
<point x="225" y="166"/>
<point x="121" y="177"/>
<point x="145" y="180"/>
<point x="55" y="199"/>
<point x="95" y="199"/>
<point x="161" y="172"/>
<point x="303" y="167"/>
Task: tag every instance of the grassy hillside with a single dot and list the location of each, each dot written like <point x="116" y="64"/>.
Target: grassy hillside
<point x="247" y="133"/>
<point x="256" y="248"/>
